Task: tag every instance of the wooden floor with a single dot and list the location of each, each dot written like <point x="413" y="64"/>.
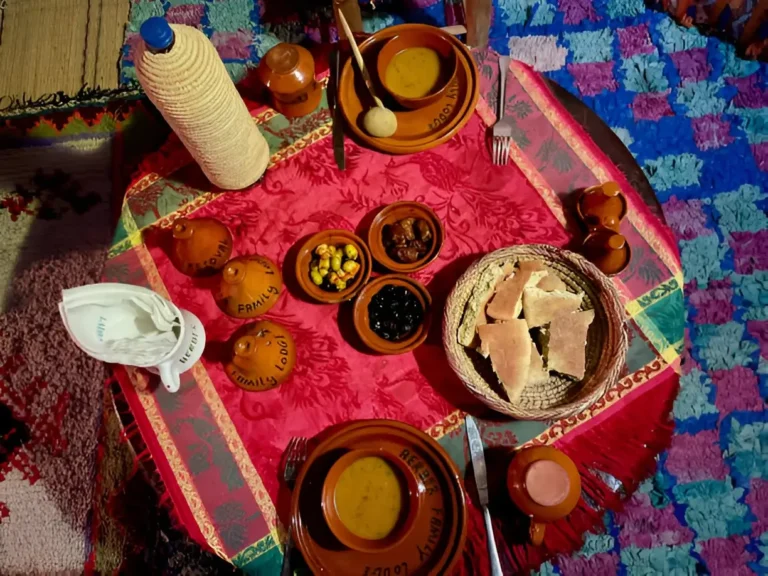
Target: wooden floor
<point x="49" y="46"/>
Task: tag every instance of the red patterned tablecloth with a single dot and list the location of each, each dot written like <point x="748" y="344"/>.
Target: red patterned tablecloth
<point x="218" y="448"/>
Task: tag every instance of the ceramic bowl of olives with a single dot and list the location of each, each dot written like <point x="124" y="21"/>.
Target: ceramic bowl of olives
<point x="406" y="236"/>
<point x="392" y="314"/>
<point x="332" y="266"/>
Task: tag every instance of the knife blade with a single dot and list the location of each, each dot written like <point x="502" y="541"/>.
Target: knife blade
<point x="337" y="130"/>
<point x="481" y="480"/>
<point x="478" y="460"/>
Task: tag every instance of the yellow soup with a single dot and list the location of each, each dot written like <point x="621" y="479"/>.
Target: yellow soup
<point x="368" y="498"/>
<point x="414" y="72"/>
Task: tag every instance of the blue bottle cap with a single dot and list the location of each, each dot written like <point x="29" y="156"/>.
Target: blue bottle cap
<point x="156" y="33"/>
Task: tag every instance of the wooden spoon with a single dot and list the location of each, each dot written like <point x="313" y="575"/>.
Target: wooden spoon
<point x="379" y="122"/>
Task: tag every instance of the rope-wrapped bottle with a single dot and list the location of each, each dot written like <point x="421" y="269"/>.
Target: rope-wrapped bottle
<point x="183" y="76"/>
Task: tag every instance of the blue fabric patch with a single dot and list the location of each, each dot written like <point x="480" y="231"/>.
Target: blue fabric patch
<point x="644" y="73"/>
<point x="722" y="346"/>
<point x="593" y="46"/>
<point x="748" y="448"/>
<point x="675" y="38"/>
<point x="714" y="510"/>
<point x="671" y="171"/>
<point x="738" y="212"/>
<point x="694" y="401"/>
<point x="700" y="98"/>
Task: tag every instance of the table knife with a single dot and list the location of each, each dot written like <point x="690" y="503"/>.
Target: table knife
<point x="481" y="480"/>
<point x="337" y="131"/>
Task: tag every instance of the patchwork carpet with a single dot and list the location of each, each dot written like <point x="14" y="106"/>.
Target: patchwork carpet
<point x="696" y="118"/>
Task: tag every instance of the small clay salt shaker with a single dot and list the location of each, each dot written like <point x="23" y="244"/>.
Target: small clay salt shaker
<point x="200" y="246"/>
<point x="262" y="356"/>
<point x="603" y="205"/>
<point x="249" y="287"/>
<point x="607" y="250"/>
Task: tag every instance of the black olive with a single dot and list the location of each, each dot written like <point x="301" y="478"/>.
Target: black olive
<point x="394" y="313"/>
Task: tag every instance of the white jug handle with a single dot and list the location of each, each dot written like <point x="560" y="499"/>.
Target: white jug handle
<point x="169" y="377"/>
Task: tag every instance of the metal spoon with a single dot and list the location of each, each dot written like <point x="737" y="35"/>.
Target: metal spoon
<point x="380" y="121"/>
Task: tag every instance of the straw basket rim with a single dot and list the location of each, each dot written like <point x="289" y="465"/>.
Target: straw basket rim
<point x="608" y="348"/>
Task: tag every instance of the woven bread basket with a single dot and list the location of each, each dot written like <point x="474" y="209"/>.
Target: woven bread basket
<point x="560" y="396"/>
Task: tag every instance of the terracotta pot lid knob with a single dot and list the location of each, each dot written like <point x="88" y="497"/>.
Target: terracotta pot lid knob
<point x="617" y="242"/>
<point x="245" y="346"/>
<point x="182" y="230"/>
<point x="233" y="273"/>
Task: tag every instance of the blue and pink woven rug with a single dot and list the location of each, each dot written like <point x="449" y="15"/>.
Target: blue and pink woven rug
<point x="696" y="118"/>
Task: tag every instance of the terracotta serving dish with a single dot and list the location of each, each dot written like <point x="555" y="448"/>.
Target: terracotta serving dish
<point x="410" y="503"/>
<point x="602" y="206"/>
<point x="525" y="497"/>
<point x="262" y="356"/>
<point x="437" y="539"/>
<point x="362" y="321"/>
<point x="393" y="213"/>
<point x="608" y="250"/>
<point x="337" y="238"/>
<point x="200" y="246"/>
<point x="249" y="286"/>
<point x="419" y="38"/>
<point x="417" y="130"/>
<point x="288" y="72"/>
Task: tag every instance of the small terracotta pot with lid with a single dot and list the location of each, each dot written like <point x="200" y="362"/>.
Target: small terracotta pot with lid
<point x="200" y="246"/>
<point x="249" y="287"/>
<point x="288" y="72"/>
<point x="263" y="355"/>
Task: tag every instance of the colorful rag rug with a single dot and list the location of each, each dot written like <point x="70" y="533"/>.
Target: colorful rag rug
<point x="64" y="503"/>
<point x="56" y="185"/>
<point x="218" y="448"/>
<point x="696" y="118"/>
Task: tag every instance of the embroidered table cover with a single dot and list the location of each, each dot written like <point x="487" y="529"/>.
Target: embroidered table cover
<point x="218" y="448"/>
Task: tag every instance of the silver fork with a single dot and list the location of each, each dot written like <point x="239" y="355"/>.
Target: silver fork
<point x="296" y="455"/>
<point x="502" y="130"/>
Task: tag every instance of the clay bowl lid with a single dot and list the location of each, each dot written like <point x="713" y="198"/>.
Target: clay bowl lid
<point x="604" y="204"/>
<point x="519" y="471"/>
<point x="336" y="238"/>
<point x="362" y="319"/>
<point x="286" y="69"/>
<point x="608" y="250"/>
<point x="419" y="38"/>
<point x="436" y="541"/>
<point x="391" y="214"/>
<point x="417" y="130"/>
<point x="411" y="492"/>
<point x="200" y="246"/>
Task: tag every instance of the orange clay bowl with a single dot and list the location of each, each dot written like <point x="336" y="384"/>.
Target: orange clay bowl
<point x="409" y="504"/>
<point x="362" y="322"/>
<point x="419" y="38"/>
<point x="392" y="214"/>
<point x="337" y="238"/>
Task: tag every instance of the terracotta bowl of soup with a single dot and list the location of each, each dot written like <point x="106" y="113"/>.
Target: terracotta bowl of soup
<point x="416" y="67"/>
<point x="371" y="500"/>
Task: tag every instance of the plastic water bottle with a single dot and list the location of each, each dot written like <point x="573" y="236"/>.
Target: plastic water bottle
<point x="183" y="75"/>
